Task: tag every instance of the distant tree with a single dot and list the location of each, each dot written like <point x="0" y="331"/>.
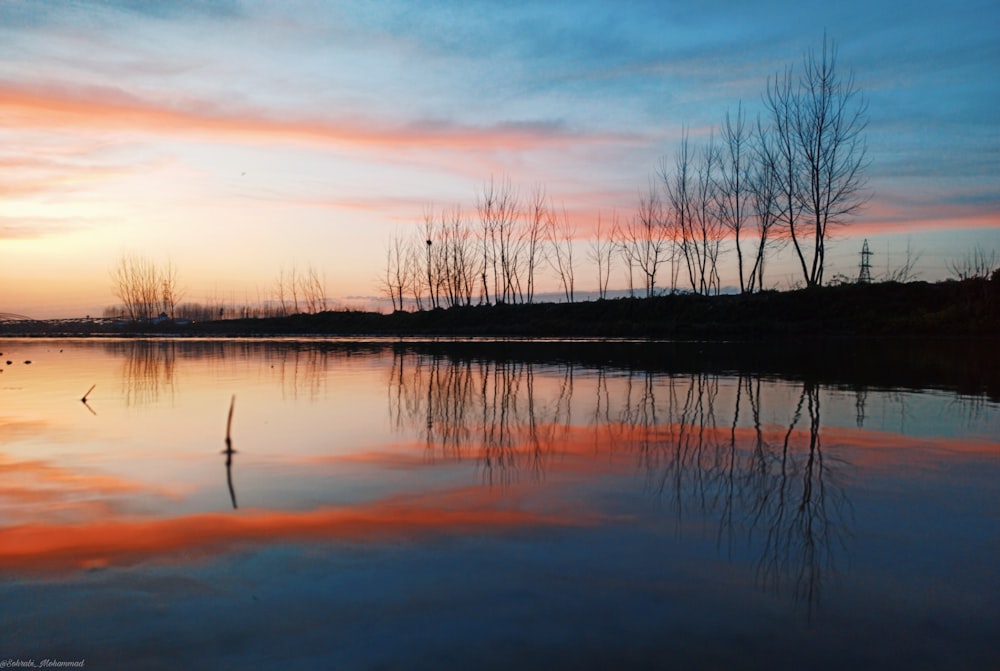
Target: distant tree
<point x="645" y="238"/>
<point x="394" y="280"/>
<point x="534" y="238"/>
<point x="142" y="288"/>
<point x="497" y="206"/>
<point x="906" y="271"/>
<point x="312" y="286"/>
<point x="978" y="263"/>
<point x="602" y="249"/>
<point x="560" y="233"/>
<point x="170" y="290"/>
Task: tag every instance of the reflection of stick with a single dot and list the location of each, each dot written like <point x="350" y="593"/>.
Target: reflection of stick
<point x="229" y="422"/>
<point x="84" y="399"/>
<point x="229" y="452"/>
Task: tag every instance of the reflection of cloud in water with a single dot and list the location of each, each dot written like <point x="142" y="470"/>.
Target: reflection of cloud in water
<point x="12" y="430"/>
<point x="37" y="489"/>
<point x="125" y="541"/>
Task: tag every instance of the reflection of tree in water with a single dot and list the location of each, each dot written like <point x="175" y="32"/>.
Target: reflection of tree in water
<point x="800" y="506"/>
<point x="489" y="410"/>
<point x="773" y="488"/>
<point x="302" y="368"/>
<point x="148" y="368"/>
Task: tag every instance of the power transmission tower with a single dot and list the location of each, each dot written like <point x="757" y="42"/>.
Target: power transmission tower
<point x="865" y="276"/>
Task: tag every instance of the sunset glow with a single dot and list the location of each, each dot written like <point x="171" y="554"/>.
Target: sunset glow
<point x="237" y="139"/>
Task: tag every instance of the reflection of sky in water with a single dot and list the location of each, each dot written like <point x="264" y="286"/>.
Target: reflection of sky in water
<point x="480" y="513"/>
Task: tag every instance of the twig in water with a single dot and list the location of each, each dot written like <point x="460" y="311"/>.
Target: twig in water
<point x="84" y="399"/>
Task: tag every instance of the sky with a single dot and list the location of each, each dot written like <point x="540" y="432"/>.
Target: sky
<point x="239" y="140"/>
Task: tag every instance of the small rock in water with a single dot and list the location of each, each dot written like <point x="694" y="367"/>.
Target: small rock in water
<point x="28" y="361"/>
<point x="9" y="362"/>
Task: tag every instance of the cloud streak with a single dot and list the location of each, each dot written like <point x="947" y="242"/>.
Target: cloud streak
<point x="99" y="108"/>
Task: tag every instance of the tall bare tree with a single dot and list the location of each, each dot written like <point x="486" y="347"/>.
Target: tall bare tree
<point x="679" y="183"/>
<point x="820" y="135"/>
<point x="708" y="226"/>
<point x="733" y="191"/>
<point x="765" y="199"/>
<point x="534" y="238"/>
<point x="497" y="206"/>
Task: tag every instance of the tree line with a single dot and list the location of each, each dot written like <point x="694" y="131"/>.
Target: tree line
<point x="753" y="186"/>
<point x="149" y="290"/>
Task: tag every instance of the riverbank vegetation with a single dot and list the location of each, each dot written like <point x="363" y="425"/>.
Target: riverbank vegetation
<point x="888" y="309"/>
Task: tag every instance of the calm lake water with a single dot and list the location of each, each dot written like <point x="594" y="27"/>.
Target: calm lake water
<point x="495" y="505"/>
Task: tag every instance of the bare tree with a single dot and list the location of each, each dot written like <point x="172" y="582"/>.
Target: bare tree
<point x="621" y="240"/>
<point x="602" y="249"/>
<point x="645" y="238"/>
<point x="975" y="264"/>
<point x="783" y="154"/>
<point x="431" y="254"/>
<point x="820" y="128"/>
<point x="708" y="226"/>
<point x="462" y="256"/>
<point x="144" y="289"/>
<point x="497" y="205"/>
<point x="395" y="270"/>
<point x="560" y="236"/>
<point x="733" y="190"/>
<point x="281" y="292"/>
<point x="313" y="290"/>
<point x="692" y="189"/>
<point x="170" y="291"/>
<point x="906" y="272"/>
<point x="765" y="199"/>
<point x="534" y="238"/>
<point x="680" y="187"/>
<point x="415" y="275"/>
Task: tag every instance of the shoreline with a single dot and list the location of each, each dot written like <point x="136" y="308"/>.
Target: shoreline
<point x="970" y="308"/>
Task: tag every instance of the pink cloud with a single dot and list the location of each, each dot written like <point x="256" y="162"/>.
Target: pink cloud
<point x="110" y="109"/>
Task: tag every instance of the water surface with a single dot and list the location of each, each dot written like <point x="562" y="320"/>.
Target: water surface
<point x="410" y="505"/>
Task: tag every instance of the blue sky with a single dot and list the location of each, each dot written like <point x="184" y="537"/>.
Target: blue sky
<point x="240" y="138"/>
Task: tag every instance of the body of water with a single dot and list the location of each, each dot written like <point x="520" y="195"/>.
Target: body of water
<point x="355" y="505"/>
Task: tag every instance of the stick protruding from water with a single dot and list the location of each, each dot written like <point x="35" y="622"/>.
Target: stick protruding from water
<point x="84" y="399"/>
<point x="229" y="422"/>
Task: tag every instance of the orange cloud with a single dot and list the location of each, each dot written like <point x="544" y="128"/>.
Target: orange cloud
<point x="112" y="109"/>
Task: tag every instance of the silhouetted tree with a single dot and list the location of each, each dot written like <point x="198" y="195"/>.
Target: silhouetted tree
<point x="534" y="238"/>
<point x="646" y="239"/>
<point x="602" y="249"/>
<point x="497" y="208"/>
<point x="820" y="128"/>
<point x="560" y="237"/>
<point x="733" y="189"/>
<point x="765" y="199"/>
<point x="144" y="289"/>
<point x="395" y="270"/>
